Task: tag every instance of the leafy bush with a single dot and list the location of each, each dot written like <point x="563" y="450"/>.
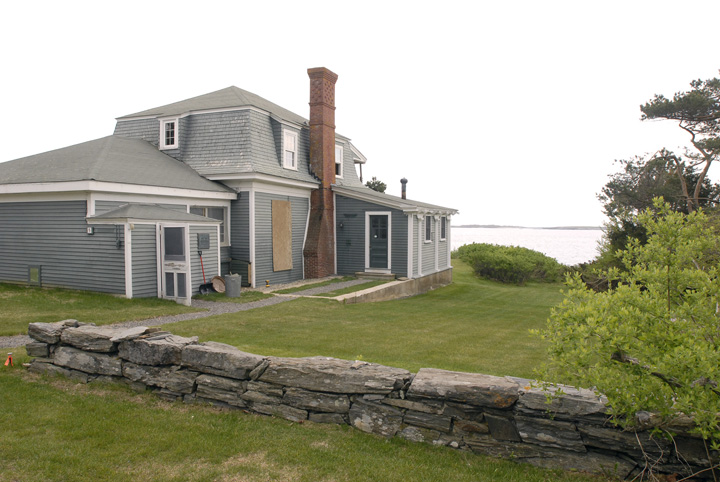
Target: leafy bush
<point x="510" y="264"/>
<point x="650" y="341"/>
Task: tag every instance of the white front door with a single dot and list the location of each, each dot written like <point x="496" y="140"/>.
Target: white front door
<point x="175" y="262"/>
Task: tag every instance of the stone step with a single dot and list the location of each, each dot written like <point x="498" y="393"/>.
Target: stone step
<point x="373" y="275"/>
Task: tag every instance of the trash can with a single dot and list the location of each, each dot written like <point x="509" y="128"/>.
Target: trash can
<point x="232" y="285"/>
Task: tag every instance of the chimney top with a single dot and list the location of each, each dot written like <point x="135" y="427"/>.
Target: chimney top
<point x="404" y="181"/>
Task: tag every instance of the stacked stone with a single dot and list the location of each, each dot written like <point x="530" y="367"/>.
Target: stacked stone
<point x="499" y="416"/>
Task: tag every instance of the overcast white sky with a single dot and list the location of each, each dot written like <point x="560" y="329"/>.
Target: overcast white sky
<point x="510" y="112"/>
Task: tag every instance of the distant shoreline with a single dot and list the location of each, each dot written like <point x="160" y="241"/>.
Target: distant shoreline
<point x="492" y="226"/>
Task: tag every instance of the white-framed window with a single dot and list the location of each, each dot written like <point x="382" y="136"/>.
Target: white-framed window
<point x="290" y="143"/>
<point x="338" y="161"/>
<point x="443" y="228"/>
<point x="428" y="229"/>
<point x="169" y="133"/>
<point x="215" y="212"/>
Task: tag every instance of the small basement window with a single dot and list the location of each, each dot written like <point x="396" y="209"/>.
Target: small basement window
<point x="169" y="134"/>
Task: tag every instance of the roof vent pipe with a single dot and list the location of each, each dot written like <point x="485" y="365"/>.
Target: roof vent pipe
<point x="403" y="181"/>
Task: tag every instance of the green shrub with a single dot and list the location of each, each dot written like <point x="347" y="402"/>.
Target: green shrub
<point x="510" y="264"/>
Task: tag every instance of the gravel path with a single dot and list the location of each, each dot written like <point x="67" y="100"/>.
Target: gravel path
<point x="211" y="309"/>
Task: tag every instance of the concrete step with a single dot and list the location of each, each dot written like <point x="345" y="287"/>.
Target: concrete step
<point x="372" y="275"/>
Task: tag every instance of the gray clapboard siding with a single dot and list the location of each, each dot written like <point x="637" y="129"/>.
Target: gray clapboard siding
<point x="443" y="247"/>
<point x="428" y="249"/>
<point x="417" y="243"/>
<point x="209" y="257"/>
<point x="240" y="235"/>
<point x="53" y="235"/>
<point x="350" y="239"/>
<point x="144" y="261"/>
<point x="263" y="238"/>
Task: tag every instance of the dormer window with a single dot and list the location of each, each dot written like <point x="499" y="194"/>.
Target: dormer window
<point x="169" y="134"/>
<point x="338" y="161"/>
<point x="290" y="150"/>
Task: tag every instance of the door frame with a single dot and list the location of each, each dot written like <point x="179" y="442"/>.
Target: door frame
<point x="367" y="241"/>
<point x="174" y="266"/>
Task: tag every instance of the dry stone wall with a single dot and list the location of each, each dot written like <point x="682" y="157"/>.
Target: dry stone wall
<point x="498" y="416"/>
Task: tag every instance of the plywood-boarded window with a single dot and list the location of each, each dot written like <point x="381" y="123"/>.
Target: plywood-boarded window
<point x="282" y="235"/>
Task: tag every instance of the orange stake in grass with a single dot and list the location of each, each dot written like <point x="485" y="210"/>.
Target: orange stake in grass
<point x="9" y="361"/>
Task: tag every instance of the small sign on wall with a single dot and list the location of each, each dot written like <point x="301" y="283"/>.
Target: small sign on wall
<point x="203" y="241"/>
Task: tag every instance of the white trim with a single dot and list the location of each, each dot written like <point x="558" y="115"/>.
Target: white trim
<point x="219" y="252"/>
<point x="294" y="135"/>
<point x="449" y="242"/>
<point x="90" y="204"/>
<point x="146" y="221"/>
<point x="307" y="225"/>
<point x="410" y="247"/>
<point x="437" y="243"/>
<point x="128" y="262"/>
<point x="340" y="162"/>
<point x="251" y="235"/>
<point x="359" y="158"/>
<point x="293" y="190"/>
<point x="367" y="240"/>
<point x="188" y="276"/>
<point x="334" y="236"/>
<point x="427" y="239"/>
<point x="43" y="197"/>
<point x="176" y="133"/>
<point x="421" y="237"/>
<point x="158" y="258"/>
<point x="187" y="270"/>
<point x="111" y="187"/>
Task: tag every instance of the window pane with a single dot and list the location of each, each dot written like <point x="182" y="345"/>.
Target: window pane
<point x="175" y="243"/>
<point x="197" y="210"/>
<point x="169" y="133"/>
<point x="216" y="213"/>
<point x="169" y="284"/>
<point x="181" y="291"/>
<point x="428" y="226"/>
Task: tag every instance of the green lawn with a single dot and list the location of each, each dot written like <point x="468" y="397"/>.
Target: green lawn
<point x="56" y="429"/>
<point x="22" y="305"/>
<point x="472" y="325"/>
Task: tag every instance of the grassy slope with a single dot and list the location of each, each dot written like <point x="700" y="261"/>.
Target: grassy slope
<point x="472" y="325"/>
<point x="61" y="430"/>
<point x="22" y="305"/>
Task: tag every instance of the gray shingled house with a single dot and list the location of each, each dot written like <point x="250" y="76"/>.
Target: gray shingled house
<point x="223" y="182"/>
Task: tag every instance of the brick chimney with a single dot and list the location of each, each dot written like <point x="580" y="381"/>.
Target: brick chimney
<point x="319" y="249"/>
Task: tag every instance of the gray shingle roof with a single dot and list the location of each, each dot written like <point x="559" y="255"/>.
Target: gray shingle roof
<point x="110" y="159"/>
<point x="220" y="99"/>
<point x="151" y="212"/>
<point x="407" y="205"/>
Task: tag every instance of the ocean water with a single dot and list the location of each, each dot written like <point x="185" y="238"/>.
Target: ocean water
<point x="568" y="246"/>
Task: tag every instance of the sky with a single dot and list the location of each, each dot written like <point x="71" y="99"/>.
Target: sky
<point x="511" y="112"/>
